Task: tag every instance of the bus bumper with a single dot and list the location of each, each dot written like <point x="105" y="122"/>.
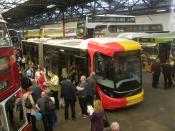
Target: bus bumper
<point x="114" y="103"/>
<point x="132" y="100"/>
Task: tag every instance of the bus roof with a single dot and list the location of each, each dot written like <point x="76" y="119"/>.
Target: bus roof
<point x="113" y="15"/>
<point x="159" y="37"/>
<point x="107" y="46"/>
<point x="117" y="24"/>
<point x="36" y="40"/>
<point x="131" y="35"/>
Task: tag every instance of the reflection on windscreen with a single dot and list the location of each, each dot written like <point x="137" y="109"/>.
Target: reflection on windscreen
<point x="150" y="50"/>
<point x="122" y="68"/>
<point x="15" y="114"/>
<point x="4" y="37"/>
<point x="100" y="31"/>
<point x="80" y="29"/>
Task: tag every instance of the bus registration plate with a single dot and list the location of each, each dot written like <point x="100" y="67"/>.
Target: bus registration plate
<point x="130" y="102"/>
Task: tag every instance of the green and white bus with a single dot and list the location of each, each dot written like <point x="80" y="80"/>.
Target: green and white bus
<point x="157" y="45"/>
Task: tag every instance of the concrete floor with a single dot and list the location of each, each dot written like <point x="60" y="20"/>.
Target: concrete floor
<point x="155" y="113"/>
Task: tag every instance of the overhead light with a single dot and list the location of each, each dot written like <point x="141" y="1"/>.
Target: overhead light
<point x="9" y="18"/>
<point x="163" y="10"/>
<point x="172" y="9"/>
<point x="61" y="50"/>
<point x="51" y="6"/>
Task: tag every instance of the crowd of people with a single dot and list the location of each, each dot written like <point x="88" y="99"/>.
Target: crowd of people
<point x="41" y="96"/>
<point x="41" y="90"/>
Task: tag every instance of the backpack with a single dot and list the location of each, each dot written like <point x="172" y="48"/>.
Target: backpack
<point x="28" y="103"/>
<point x="49" y="106"/>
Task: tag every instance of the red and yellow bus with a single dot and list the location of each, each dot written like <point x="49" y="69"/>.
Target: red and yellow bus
<point x="116" y="62"/>
<point x="12" y="117"/>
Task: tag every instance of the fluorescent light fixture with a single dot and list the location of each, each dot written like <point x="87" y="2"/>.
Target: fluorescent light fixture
<point x="172" y="9"/>
<point x="163" y="10"/>
<point x="9" y="18"/>
<point x="61" y="50"/>
<point x="51" y="6"/>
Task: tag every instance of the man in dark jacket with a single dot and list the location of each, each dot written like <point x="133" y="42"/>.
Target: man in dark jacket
<point x="167" y="72"/>
<point x="69" y="93"/>
<point x="82" y="95"/>
<point x="155" y="69"/>
<point x="91" y="89"/>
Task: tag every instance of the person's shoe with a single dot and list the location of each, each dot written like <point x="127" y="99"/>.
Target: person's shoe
<point x="85" y="116"/>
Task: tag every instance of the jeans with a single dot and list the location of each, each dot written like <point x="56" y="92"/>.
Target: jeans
<point x="47" y="122"/>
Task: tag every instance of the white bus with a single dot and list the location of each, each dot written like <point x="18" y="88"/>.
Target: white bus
<point x="80" y="28"/>
<point x="85" y="28"/>
<point x="113" y="30"/>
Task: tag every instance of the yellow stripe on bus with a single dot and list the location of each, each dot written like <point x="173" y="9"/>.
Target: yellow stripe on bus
<point x="129" y="45"/>
<point x="132" y="100"/>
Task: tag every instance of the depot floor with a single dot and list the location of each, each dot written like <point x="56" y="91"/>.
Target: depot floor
<point x="155" y="113"/>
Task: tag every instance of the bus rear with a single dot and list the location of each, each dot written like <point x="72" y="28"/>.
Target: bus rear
<point x="12" y="117"/>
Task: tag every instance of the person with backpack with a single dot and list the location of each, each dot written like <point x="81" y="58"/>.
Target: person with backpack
<point x="29" y="105"/>
<point x="47" y="108"/>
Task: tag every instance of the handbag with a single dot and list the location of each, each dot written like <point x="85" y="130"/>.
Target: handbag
<point x="38" y="115"/>
<point x="105" y="121"/>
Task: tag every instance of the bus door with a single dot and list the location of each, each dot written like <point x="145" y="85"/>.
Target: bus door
<point x="62" y="63"/>
<point x="164" y="51"/>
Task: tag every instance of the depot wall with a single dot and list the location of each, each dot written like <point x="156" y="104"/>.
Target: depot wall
<point x="166" y="19"/>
